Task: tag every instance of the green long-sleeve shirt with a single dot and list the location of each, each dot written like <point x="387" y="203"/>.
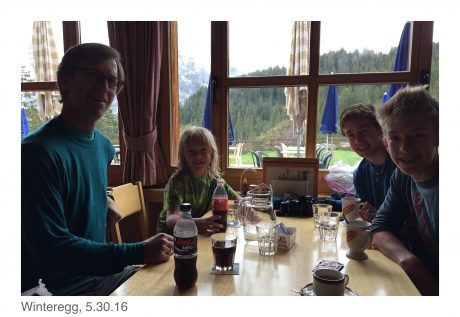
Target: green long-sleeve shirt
<point x="183" y="187"/>
<point x="64" y="208"/>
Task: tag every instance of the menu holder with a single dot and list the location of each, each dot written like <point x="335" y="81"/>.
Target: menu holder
<point x="286" y="241"/>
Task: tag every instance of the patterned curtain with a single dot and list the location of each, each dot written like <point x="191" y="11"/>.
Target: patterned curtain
<point x="46" y="65"/>
<point x="296" y="97"/>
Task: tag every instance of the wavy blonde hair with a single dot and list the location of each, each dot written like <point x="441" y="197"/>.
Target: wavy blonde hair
<point x="204" y="137"/>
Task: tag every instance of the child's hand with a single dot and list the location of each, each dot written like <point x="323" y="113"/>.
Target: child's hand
<point x="208" y="225"/>
<point x="367" y="212"/>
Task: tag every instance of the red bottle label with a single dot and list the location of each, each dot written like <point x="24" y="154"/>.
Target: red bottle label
<point x="219" y="205"/>
<point x="185" y="246"/>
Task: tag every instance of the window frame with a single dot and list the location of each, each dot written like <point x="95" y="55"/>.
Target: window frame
<point x="168" y="114"/>
<point x="420" y="63"/>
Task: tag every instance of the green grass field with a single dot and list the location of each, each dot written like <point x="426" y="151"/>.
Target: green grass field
<point x="348" y="157"/>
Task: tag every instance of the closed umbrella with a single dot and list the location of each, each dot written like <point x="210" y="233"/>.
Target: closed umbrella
<point x="46" y="65"/>
<point x="24" y="123"/>
<point x="297" y="97"/>
<point x="330" y="114"/>
<point x="401" y="60"/>
<point x="207" y="114"/>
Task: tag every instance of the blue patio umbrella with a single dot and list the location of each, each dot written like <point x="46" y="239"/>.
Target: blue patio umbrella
<point x="24" y="123"/>
<point x="330" y="114"/>
<point x="401" y="61"/>
<point x="207" y="115"/>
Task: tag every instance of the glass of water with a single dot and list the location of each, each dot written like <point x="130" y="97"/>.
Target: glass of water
<point x="320" y="210"/>
<point x="328" y="226"/>
<point x="266" y="236"/>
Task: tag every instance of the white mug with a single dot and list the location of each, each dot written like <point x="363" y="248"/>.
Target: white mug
<point x="350" y="207"/>
<point x="328" y="282"/>
<point x="359" y="238"/>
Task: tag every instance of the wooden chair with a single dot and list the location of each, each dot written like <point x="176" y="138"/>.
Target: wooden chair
<point x="237" y="153"/>
<point x="129" y="199"/>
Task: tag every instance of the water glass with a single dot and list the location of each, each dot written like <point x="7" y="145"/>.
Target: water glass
<point x="232" y="218"/>
<point x="266" y="236"/>
<point x="319" y="210"/>
<point x="328" y="226"/>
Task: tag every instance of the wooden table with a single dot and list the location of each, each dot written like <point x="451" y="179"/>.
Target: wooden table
<point x="277" y="275"/>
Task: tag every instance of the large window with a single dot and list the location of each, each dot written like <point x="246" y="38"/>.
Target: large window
<point x="249" y="69"/>
<point x="250" y="64"/>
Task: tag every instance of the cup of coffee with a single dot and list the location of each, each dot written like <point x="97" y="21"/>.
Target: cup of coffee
<point x="328" y="282"/>
<point x="359" y="238"/>
<point x="350" y="207"/>
<point x="223" y="249"/>
<point x="320" y="210"/>
<point x="266" y="236"/>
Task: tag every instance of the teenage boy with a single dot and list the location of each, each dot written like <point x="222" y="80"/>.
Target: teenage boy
<point x="371" y="179"/>
<point x="411" y="134"/>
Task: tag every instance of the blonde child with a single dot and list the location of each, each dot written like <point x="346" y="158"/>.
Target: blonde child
<point x="194" y="182"/>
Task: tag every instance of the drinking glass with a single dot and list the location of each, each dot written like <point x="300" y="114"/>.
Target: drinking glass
<point x="223" y="249"/>
<point x="266" y="236"/>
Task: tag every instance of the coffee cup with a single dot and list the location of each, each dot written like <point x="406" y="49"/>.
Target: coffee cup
<point x="350" y="207"/>
<point x="359" y="238"/>
<point x="328" y="282"/>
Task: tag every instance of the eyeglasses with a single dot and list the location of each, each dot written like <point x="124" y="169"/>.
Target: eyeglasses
<point x="97" y="77"/>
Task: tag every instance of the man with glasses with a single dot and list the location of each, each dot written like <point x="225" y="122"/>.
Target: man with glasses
<point x="65" y="209"/>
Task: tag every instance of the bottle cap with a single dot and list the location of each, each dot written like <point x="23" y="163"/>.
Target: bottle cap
<point x="185" y="207"/>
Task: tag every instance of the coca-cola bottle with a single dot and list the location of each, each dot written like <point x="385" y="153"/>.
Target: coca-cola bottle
<point x="220" y="203"/>
<point x="185" y="249"/>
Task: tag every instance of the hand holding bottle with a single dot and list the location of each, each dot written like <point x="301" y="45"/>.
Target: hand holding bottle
<point x="158" y="249"/>
<point x="208" y="225"/>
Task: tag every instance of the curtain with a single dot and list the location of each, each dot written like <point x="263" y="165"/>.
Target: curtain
<point x="46" y="64"/>
<point x="296" y="97"/>
<point x="141" y="45"/>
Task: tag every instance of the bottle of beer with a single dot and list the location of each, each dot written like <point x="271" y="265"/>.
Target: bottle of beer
<point x="185" y="249"/>
<point x="220" y="203"/>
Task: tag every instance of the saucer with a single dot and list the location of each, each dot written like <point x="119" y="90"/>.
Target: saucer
<point x="308" y="291"/>
<point x="234" y="271"/>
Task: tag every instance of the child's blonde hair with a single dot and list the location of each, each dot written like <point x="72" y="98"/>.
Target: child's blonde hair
<point x="409" y="100"/>
<point x="201" y="136"/>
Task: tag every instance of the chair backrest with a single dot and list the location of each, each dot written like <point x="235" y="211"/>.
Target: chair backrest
<point x="261" y="155"/>
<point x="255" y="159"/>
<point x="319" y="150"/>
<point x="325" y="160"/>
<point x="285" y="149"/>
<point x="237" y="153"/>
<point x="129" y="199"/>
